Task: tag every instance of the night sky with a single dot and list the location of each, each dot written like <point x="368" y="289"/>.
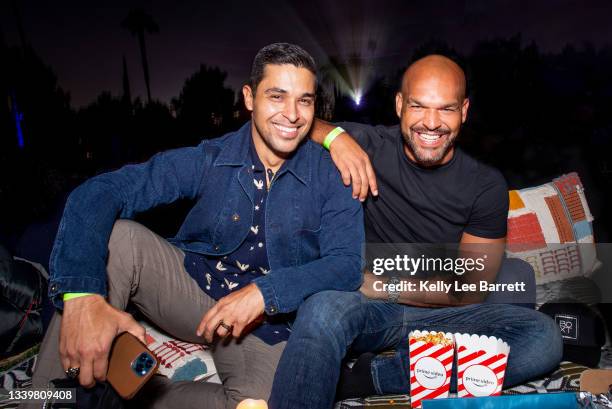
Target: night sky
<point x="85" y="44"/>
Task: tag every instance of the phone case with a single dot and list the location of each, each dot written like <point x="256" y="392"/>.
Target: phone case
<point x="130" y="366"/>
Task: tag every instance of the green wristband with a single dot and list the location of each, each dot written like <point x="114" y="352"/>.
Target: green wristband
<point x="331" y="136"/>
<point x="70" y="296"/>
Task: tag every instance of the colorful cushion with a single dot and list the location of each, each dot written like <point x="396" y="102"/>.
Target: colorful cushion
<point x="550" y="227"/>
<point x="179" y="361"/>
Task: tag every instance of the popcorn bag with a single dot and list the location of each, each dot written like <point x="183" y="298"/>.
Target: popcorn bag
<point x="431" y="362"/>
<point x="481" y="365"/>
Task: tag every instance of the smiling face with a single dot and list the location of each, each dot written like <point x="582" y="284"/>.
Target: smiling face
<point x="431" y="106"/>
<point x="282" y="111"/>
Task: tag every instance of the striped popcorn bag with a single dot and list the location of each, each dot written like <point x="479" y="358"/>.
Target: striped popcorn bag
<point x="431" y="362"/>
<point x="481" y="365"/>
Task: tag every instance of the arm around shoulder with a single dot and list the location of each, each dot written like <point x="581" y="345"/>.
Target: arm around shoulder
<point x="348" y="155"/>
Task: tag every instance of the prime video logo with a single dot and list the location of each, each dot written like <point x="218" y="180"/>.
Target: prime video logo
<point x="479" y="382"/>
<point x="411" y="265"/>
<point x="429" y="374"/>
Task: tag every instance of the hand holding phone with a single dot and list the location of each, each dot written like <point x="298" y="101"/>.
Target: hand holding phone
<point x="130" y="366"/>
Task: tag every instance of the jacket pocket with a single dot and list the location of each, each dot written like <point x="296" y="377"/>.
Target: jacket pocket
<point x="309" y="244"/>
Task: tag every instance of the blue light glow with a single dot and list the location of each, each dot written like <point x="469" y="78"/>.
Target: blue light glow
<point x="357" y="98"/>
<point x="18" y="117"/>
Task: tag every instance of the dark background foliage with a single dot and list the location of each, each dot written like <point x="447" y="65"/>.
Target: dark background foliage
<point x="535" y="114"/>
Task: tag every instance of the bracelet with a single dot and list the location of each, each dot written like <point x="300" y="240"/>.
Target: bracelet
<point x="70" y="296"/>
<point x="393" y="296"/>
<point x="331" y="136"/>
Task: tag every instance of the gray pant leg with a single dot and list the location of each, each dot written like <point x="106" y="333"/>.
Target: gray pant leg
<point x="146" y="269"/>
<point x="246" y="368"/>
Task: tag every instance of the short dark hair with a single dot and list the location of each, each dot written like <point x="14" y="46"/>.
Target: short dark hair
<point x="279" y="54"/>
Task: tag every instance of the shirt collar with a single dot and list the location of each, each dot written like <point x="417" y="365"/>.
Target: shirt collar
<point x="257" y="165"/>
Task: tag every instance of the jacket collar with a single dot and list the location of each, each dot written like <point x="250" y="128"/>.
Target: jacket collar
<point x="235" y="152"/>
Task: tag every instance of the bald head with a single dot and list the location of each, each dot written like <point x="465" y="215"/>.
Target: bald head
<point x="435" y="70"/>
<point x="431" y="107"/>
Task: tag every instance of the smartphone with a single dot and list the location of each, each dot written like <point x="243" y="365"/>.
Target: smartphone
<point x="130" y="366"/>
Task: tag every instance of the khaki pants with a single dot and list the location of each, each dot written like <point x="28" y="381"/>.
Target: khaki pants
<point x="148" y="271"/>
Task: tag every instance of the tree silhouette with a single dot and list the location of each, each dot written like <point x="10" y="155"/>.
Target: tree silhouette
<point x="44" y="105"/>
<point x="105" y="133"/>
<point x="205" y="106"/>
<point x="137" y="23"/>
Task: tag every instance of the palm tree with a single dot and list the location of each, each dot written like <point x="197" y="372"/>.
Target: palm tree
<point x="19" y="22"/>
<point x="137" y="23"/>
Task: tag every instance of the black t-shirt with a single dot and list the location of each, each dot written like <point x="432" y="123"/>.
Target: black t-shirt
<point x="420" y="205"/>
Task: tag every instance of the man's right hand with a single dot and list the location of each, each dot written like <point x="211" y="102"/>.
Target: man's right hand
<point x="354" y="166"/>
<point x="89" y="326"/>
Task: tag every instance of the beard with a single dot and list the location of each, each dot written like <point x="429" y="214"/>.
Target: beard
<point x="424" y="156"/>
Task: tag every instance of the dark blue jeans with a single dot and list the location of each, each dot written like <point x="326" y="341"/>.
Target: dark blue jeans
<point x="331" y="322"/>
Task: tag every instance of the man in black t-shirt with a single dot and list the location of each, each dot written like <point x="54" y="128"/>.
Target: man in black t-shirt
<point x="436" y="204"/>
<point x="424" y="190"/>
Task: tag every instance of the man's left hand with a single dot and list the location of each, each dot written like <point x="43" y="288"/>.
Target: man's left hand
<point x="236" y="311"/>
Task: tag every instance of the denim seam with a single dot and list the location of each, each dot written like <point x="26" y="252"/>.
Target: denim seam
<point x="488" y="325"/>
<point x="383" y="329"/>
<point x="269" y="294"/>
<point x="205" y="169"/>
<point x="375" y="381"/>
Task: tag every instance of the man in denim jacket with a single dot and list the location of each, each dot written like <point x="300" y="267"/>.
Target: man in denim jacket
<point x="272" y="225"/>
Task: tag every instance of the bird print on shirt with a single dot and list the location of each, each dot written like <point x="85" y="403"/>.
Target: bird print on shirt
<point x="208" y="278"/>
<point x="230" y="285"/>
<point x="228" y="273"/>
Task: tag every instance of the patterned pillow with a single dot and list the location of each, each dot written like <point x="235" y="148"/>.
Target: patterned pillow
<point x="550" y="227"/>
<point x="179" y="361"/>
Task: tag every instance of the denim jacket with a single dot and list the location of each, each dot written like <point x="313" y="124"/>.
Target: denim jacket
<point x="314" y="228"/>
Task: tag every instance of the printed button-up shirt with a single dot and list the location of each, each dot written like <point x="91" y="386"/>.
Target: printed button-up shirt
<point x="219" y="276"/>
